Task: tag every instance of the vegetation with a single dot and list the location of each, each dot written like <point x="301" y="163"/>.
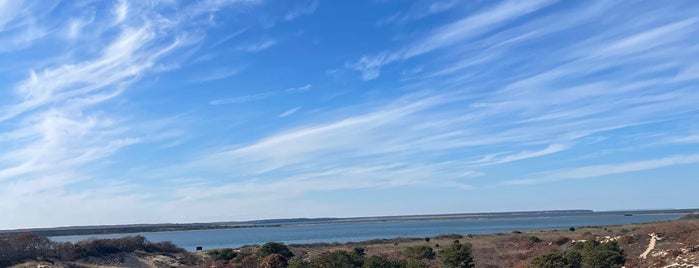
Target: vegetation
<point x="274" y="248"/>
<point x="28" y="246"/>
<point x="222" y="254"/>
<point x="457" y="256"/>
<point x="419" y="253"/>
<point x="620" y="246"/>
<point x="590" y="254"/>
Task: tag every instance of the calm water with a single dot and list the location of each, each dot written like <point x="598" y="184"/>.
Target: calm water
<point x="344" y="232"/>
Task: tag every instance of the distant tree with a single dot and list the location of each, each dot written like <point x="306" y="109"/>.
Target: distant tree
<point x="457" y="256"/>
<point x="572" y="229"/>
<point x="274" y="248"/>
<point x="427" y="239"/>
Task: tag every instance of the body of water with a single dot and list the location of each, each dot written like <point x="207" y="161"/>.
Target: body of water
<point x="360" y="231"/>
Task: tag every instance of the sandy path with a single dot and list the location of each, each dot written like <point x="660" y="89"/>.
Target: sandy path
<point x="653" y="239"/>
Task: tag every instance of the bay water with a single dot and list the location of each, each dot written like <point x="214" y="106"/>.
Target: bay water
<point x="360" y="231"/>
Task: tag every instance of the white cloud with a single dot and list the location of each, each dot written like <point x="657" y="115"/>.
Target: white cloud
<point x="290" y="112"/>
<point x="218" y="74"/>
<point x="243" y="99"/>
<point x="301" y="10"/>
<point x="301" y="89"/>
<point x="262" y="95"/>
<point x="609" y="169"/>
<point x="461" y="30"/>
<point x="229" y="37"/>
<point x="120" y="11"/>
<point x="419" y="10"/>
<point x="257" y="47"/>
<point x="497" y="159"/>
<point x="57" y="129"/>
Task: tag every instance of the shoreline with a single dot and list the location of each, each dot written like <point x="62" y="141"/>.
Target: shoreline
<point x="139" y="229"/>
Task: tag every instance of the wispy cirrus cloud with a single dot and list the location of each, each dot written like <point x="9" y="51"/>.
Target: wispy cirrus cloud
<point x="301" y="10"/>
<point x="290" y="112"/>
<point x="608" y="169"/>
<point x="512" y="93"/>
<point x="54" y="125"/>
<point x="217" y="74"/>
<point x="419" y="10"/>
<point x="461" y="30"/>
<point x="261" y="96"/>
<point x="257" y="47"/>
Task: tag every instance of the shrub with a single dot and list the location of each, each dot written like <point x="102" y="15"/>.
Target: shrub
<point x="274" y="248"/>
<point x="378" y="262"/>
<point x="299" y="263"/>
<point x="549" y="260"/>
<point x="457" y="256"/>
<point x="534" y="239"/>
<point x="222" y="254"/>
<point x="561" y="240"/>
<point x="415" y="264"/>
<point x="338" y="259"/>
<point x="419" y="253"/>
<point x="588" y="254"/>
<point x="273" y="261"/>
<point x="603" y="255"/>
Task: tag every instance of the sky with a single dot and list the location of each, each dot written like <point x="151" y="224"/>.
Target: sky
<point x="118" y="112"/>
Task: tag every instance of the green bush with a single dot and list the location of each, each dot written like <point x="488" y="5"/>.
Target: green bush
<point x="457" y="256"/>
<point x="378" y="262"/>
<point x="591" y="254"/>
<point x="550" y="260"/>
<point x="299" y="263"/>
<point x="274" y="248"/>
<point x="338" y="259"/>
<point x="222" y="254"/>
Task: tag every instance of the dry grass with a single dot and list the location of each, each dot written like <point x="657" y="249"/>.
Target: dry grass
<point x="680" y="241"/>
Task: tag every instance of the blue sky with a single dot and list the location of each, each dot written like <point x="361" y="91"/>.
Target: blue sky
<point x="123" y="111"/>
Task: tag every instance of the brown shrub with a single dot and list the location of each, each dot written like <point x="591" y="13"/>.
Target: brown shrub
<point x="628" y="240"/>
<point x="561" y="240"/>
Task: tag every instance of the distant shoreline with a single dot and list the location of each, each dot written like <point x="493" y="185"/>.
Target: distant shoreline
<point x="149" y="228"/>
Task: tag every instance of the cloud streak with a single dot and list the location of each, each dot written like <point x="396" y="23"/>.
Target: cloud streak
<point x="261" y="96"/>
<point x="301" y="10"/>
<point x="458" y="31"/>
<point x="257" y="47"/>
<point x="609" y="169"/>
<point x="290" y="112"/>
